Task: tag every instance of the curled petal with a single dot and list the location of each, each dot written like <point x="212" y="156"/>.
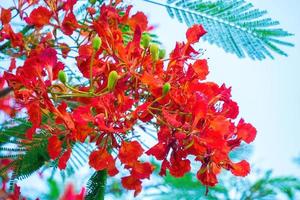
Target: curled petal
<point x="194" y="33"/>
<point x="241" y="168"/>
<point x="246" y="131"/>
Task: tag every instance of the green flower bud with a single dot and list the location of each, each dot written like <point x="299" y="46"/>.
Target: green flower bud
<point x="146" y="39"/>
<point x="154" y="50"/>
<point x="112" y="80"/>
<point x="166" y="88"/>
<point x="62" y="76"/>
<point x="92" y="1"/>
<point x="162" y="53"/>
<point x="96" y="43"/>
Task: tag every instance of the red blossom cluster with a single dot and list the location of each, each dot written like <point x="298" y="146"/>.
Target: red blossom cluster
<point x="130" y="81"/>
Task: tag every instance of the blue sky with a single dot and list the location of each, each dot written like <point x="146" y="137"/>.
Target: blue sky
<point x="268" y="92"/>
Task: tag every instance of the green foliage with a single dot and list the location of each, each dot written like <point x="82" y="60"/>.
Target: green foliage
<point x="234" y="25"/>
<point x="96" y="186"/>
<point x="268" y="187"/>
<point x="29" y="156"/>
<point x="188" y="187"/>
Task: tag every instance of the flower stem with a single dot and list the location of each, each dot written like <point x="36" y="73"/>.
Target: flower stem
<point x="91" y="71"/>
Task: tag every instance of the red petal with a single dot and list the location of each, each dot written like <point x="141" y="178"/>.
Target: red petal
<point x="201" y="68"/>
<point x="54" y="147"/>
<point x="101" y="159"/>
<point x="152" y="80"/>
<point x="179" y="166"/>
<point x="139" y="19"/>
<point x="159" y="151"/>
<point x="39" y="17"/>
<point x="246" y="131"/>
<point x="70" y="194"/>
<point x="207" y="178"/>
<point x="69" y="24"/>
<point x="132" y="183"/>
<point x="142" y="170"/>
<point x="69" y="4"/>
<point x="130" y="152"/>
<point x="83" y="115"/>
<point x="171" y="118"/>
<point x="65" y="49"/>
<point x="35" y="118"/>
<point x="62" y="162"/>
<point x="194" y="33"/>
<point x="241" y="168"/>
<point x="164" y="165"/>
<point x="5" y="16"/>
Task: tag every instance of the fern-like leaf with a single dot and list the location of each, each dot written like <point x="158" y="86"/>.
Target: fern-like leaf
<point x="234" y="25"/>
<point x="96" y="185"/>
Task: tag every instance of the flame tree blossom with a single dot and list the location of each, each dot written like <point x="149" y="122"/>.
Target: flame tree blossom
<point x="129" y="82"/>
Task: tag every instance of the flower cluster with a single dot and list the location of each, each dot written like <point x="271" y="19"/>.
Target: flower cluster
<point x="129" y="81"/>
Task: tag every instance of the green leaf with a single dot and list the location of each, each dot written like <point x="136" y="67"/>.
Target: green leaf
<point x="96" y="186"/>
<point x="234" y="25"/>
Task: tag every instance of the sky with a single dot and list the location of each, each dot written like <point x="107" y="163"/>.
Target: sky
<point x="268" y="91"/>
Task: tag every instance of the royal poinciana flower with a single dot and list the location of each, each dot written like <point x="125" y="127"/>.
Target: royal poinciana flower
<point x="129" y="82"/>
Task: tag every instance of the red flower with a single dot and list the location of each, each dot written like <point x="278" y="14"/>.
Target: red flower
<point x="69" y="24"/>
<point x="194" y="33"/>
<point x="16" y="39"/>
<point x="101" y="159"/>
<point x="132" y="183"/>
<point x="194" y="117"/>
<point x="207" y="177"/>
<point x="39" y="17"/>
<point x="130" y="152"/>
<point x="54" y="147"/>
<point x="5" y="16"/>
<point x="70" y="194"/>
<point x="179" y="167"/>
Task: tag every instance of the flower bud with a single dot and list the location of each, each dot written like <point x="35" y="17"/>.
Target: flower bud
<point x="96" y="43"/>
<point x="166" y="88"/>
<point x="112" y="80"/>
<point x="146" y="39"/>
<point x="162" y="53"/>
<point x="154" y="50"/>
<point x="62" y="76"/>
